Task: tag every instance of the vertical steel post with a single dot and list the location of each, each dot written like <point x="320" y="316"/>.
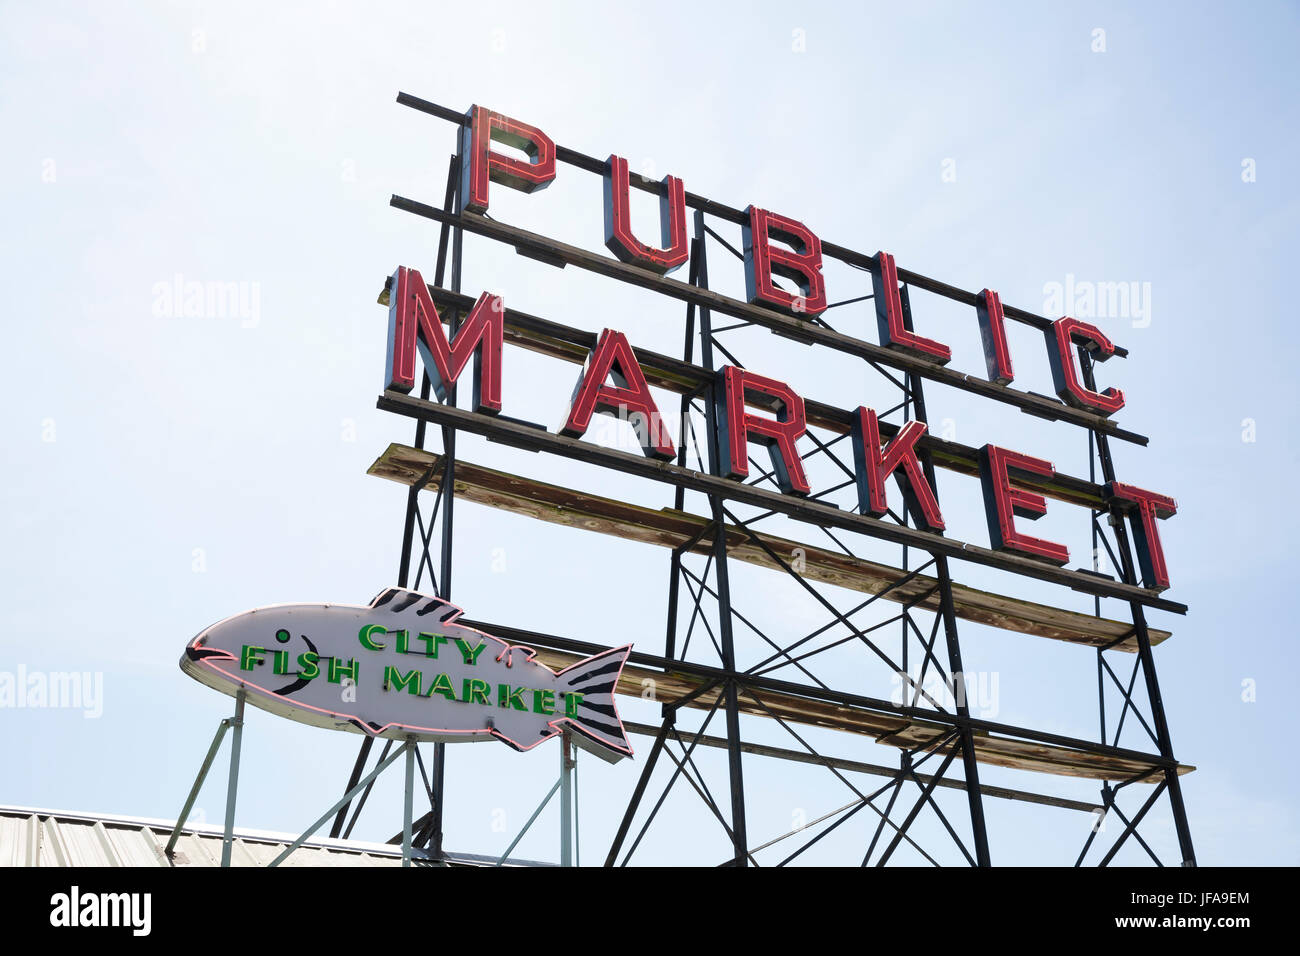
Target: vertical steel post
<point x="448" y="503"/>
<point x="407" y="799"/>
<point x="408" y="528"/>
<point x="740" y="839"/>
<point x="1129" y="570"/>
<point x="679" y="493"/>
<point x="566" y="802"/>
<point x="232" y="785"/>
<point x="970" y="765"/>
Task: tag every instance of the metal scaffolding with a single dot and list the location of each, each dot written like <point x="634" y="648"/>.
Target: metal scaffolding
<point x="940" y="744"/>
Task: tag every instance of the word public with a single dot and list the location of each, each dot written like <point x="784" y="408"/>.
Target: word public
<point x="774" y="246"/>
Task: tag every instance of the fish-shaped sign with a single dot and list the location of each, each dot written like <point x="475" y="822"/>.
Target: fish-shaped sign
<point x="402" y="666"/>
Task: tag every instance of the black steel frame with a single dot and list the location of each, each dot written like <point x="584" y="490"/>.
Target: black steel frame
<point x="731" y="684"/>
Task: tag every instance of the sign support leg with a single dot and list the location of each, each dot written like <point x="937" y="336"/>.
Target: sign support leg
<point x="1156" y="703"/>
<point x="232" y="786"/>
<point x="408" y="796"/>
<point x="347" y="798"/>
<point x="219" y="736"/>
<point x="566" y="802"/>
<point x="730" y="690"/>
<point x="915" y="394"/>
<point x="536" y="813"/>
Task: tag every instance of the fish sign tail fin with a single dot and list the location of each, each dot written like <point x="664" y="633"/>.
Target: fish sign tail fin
<point x="588" y="687"/>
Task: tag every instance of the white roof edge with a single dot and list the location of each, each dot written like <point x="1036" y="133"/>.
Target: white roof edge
<point x="245" y="833"/>
<point x="209" y="829"/>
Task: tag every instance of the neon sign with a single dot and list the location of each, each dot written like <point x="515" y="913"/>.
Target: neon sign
<point x="415" y="324"/>
<point x="774" y="246"/>
<point x="402" y="666"/>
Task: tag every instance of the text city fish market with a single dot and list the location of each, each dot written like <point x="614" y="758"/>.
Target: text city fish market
<point x="473" y="690"/>
<point x="774" y="245"/>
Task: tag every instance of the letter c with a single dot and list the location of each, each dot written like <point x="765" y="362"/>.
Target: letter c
<point x="364" y="637"/>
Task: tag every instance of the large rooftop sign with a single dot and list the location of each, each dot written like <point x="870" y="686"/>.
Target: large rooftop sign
<point x="857" y="468"/>
<point x="408" y="667"/>
<point x="754" y="408"/>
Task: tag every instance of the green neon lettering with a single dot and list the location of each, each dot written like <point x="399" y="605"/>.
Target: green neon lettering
<point x="367" y="641"/>
<point x="470" y="653"/>
<point x="308" y="665"/>
<point x="431" y="642"/>
<point x="475" y="691"/>
<point x="250" y="657"/>
<point x="395" y="680"/>
<point x="571" y="702"/>
<point x="403" y="641"/>
<point x="339" y="670"/>
<point x="543" y="701"/>
<point x="281" y="662"/>
<point x="442" y="685"/>
<point x="510" y="698"/>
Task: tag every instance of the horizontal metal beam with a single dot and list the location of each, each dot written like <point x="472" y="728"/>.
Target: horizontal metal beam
<point x="524" y="436"/>
<point x="552" y="250"/>
<point x="857" y="766"/>
<point x="677" y="529"/>
<point x="697" y="685"/>
<point x="573" y="345"/>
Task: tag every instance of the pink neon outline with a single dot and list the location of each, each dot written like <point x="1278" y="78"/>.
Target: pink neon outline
<point x="626" y="649"/>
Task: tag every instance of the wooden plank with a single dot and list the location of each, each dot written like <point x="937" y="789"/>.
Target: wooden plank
<point x="901" y="732"/>
<point x="681" y="682"/>
<point x="859" y="766"/>
<point x="670" y="528"/>
<point x="552" y="250"/>
<point x="531" y="438"/>
<point x="555" y="340"/>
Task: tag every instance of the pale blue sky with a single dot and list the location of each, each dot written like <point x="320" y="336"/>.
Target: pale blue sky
<point x="258" y="144"/>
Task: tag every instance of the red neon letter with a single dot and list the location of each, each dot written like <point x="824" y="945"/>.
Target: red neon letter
<point x="628" y="399"/>
<point x="997" y="357"/>
<point x="803" y="266"/>
<point x="737" y="427"/>
<point x="479" y="164"/>
<point x="895" y="331"/>
<point x="874" y="466"/>
<point x="618" y="221"/>
<point x="1064" y="334"/>
<point x="1150" y="506"/>
<point x="414" y="321"/>
<point x="1003" y="504"/>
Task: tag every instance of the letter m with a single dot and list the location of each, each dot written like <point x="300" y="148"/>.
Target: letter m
<point x="414" y="322"/>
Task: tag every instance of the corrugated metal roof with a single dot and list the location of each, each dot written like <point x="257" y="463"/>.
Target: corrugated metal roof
<point x="31" y="836"/>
